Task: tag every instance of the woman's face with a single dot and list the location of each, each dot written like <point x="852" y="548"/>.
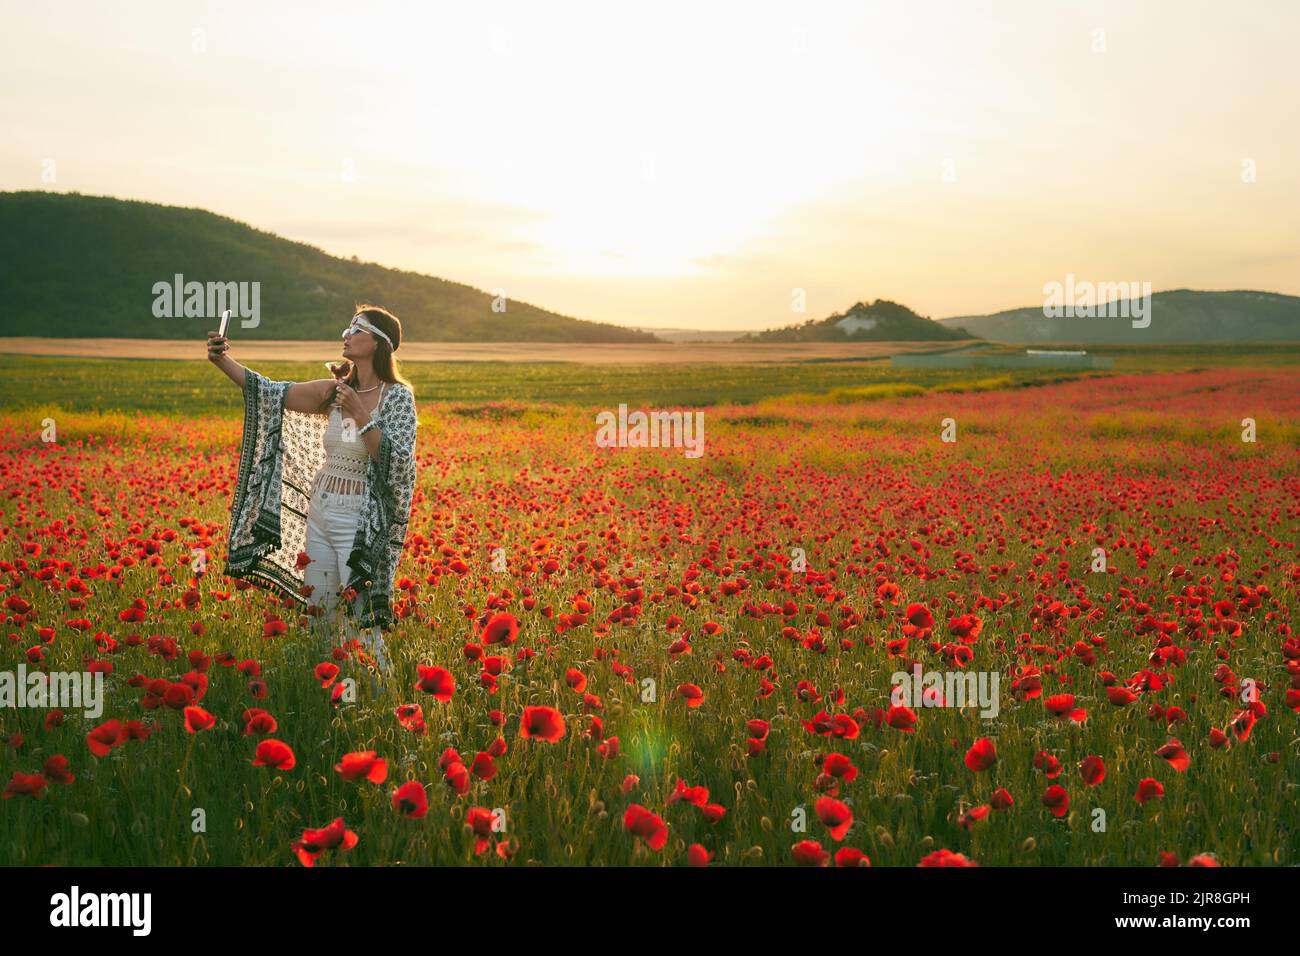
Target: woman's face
<point x="358" y="343"/>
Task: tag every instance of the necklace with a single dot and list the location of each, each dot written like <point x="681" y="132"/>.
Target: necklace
<point x="362" y="391"/>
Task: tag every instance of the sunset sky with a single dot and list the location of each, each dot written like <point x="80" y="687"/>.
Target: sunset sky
<point x="690" y="164"/>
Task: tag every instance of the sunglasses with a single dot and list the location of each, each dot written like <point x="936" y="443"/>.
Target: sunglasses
<point x="353" y="330"/>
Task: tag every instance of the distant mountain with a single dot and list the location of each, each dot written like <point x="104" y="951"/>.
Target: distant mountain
<point x="1181" y="315"/>
<point x="94" y="266"/>
<point x="879" y="321"/>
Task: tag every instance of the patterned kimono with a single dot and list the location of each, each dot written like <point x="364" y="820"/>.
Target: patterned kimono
<point x="282" y="453"/>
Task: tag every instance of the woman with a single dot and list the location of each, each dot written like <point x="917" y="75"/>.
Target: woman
<point x="327" y="468"/>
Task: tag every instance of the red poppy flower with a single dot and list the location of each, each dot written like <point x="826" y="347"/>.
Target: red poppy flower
<point x="258" y="721"/>
<point x="1048" y="764"/>
<point x="196" y="719"/>
<point x="696" y="795"/>
<point x="501" y="628"/>
<point x="1174" y="753"/>
<point x="362" y="763"/>
<point x="839" y="766"/>
<point x="945" y="857"/>
<point x="973" y="816"/>
<point x="105" y="737"/>
<point x="648" y="826"/>
<point x="542" y="723"/>
<point x="178" y="696"/>
<point x="835" y="815"/>
<point x="1057" y="800"/>
<point x="410" y="800"/>
<point x="1120" y="696"/>
<point x="480" y="820"/>
<point x="981" y="755"/>
<point x="691" y="693"/>
<point x="1092" y="770"/>
<point x="1242" y="724"/>
<point x="713" y="812"/>
<point x="810" y="853"/>
<point x="457" y="777"/>
<point x="1148" y="789"/>
<point x="410" y="717"/>
<point x="919" y="616"/>
<point x="313" y="843"/>
<point x="25" y="785"/>
<point x="851" y="856"/>
<point x="483" y="766"/>
<point x="1062" y="705"/>
<point x="436" y="681"/>
<point x="56" y="769"/>
<point x="273" y="753"/>
<point x="902" y="718"/>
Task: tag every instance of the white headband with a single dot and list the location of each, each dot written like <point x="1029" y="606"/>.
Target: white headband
<point x="361" y="320"/>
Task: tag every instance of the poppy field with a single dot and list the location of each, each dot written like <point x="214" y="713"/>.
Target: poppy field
<point x="627" y="656"/>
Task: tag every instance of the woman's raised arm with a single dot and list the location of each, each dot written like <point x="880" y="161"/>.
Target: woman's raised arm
<point x="306" y="397"/>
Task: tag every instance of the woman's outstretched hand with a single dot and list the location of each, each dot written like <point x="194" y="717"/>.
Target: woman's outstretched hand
<point x="217" y="347"/>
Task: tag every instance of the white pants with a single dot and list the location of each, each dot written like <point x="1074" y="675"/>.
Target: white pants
<point x="331" y="530"/>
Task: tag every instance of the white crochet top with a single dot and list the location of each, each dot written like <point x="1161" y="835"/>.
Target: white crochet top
<point x="346" y="458"/>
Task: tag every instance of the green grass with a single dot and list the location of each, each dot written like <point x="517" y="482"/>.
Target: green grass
<point x="196" y="388"/>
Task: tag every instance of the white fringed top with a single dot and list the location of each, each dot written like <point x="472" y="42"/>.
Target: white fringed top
<point x="346" y="457"/>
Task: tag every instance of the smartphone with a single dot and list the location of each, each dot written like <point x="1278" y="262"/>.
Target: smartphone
<point x="225" y="321"/>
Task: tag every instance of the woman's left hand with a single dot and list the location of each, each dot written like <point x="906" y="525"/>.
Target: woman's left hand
<point x="350" y="404"/>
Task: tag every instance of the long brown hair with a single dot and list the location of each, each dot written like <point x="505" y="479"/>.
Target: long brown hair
<point x="384" y="361"/>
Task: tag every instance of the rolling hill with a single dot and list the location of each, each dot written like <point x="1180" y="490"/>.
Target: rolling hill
<point x="879" y="321"/>
<point x="87" y="266"/>
<point x="1182" y="316"/>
